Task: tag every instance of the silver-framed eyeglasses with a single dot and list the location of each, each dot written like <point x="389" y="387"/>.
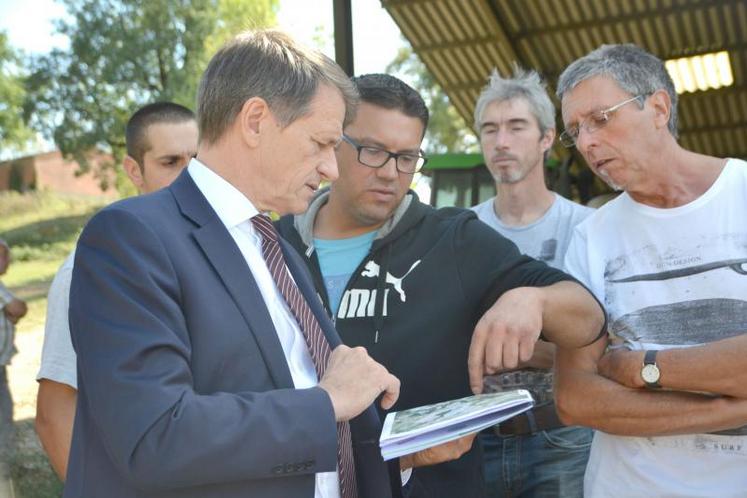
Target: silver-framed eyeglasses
<point x="376" y="157"/>
<point x="594" y="121"/>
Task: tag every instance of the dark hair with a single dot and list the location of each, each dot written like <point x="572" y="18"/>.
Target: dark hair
<point x="159" y="112"/>
<point x="389" y="92"/>
<point x="267" y="64"/>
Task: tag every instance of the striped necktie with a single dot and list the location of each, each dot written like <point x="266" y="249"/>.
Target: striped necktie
<point x="315" y="340"/>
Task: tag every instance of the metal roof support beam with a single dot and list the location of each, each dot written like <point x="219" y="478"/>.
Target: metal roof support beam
<point x="343" y="15"/>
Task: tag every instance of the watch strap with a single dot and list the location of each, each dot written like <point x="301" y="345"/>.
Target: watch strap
<point x="649" y="358"/>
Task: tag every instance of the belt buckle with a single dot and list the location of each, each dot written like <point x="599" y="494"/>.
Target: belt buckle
<point x="509" y="425"/>
<point x="520" y="425"/>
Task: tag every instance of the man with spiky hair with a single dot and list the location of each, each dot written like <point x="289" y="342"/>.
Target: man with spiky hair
<point x="533" y="453"/>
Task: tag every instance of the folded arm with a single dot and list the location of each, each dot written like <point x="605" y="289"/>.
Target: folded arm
<point x="584" y="397"/>
<point x="717" y="367"/>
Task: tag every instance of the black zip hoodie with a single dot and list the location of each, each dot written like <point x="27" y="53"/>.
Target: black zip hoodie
<point x="413" y="303"/>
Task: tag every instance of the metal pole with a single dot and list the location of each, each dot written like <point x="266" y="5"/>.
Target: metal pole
<point x="344" y="35"/>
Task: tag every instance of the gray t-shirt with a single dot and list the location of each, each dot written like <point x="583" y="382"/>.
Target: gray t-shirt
<point x="547" y="240"/>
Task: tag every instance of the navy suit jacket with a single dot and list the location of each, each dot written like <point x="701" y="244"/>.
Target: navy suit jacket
<point x="184" y="390"/>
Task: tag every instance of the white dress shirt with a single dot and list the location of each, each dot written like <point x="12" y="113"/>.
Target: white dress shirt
<point x="235" y="211"/>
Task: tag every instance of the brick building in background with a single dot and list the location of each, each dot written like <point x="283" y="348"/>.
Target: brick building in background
<point x="51" y="172"/>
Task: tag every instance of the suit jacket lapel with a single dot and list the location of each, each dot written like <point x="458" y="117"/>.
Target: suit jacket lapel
<point x="221" y="251"/>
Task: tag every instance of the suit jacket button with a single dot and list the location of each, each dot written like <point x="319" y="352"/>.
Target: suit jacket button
<point x="277" y="470"/>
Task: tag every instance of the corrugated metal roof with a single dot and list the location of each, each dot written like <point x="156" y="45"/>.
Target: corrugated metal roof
<point x="460" y="41"/>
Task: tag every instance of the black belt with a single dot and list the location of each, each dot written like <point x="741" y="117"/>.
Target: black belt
<point x="537" y="419"/>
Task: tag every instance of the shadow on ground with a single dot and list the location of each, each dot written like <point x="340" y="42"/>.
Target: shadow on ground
<point x="32" y="475"/>
<point x="38" y="240"/>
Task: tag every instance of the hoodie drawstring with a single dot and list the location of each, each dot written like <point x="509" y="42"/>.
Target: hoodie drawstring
<point x="380" y="291"/>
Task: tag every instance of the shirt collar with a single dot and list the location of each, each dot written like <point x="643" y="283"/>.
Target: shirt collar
<point x="231" y="206"/>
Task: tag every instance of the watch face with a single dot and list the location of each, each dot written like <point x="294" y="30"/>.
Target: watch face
<point x="650" y="374"/>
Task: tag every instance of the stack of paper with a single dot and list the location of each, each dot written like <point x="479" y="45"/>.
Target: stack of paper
<point x="420" y="428"/>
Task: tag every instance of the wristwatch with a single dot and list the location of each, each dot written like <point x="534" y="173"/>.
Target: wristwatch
<point x="650" y="372"/>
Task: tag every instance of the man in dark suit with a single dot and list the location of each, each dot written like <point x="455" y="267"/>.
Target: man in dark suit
<point x="207" y="366"/>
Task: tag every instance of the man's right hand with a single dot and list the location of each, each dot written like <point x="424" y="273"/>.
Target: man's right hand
<point x="354" y="380"/>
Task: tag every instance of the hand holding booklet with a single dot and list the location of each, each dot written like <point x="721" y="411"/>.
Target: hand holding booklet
<point x="416" y="429"/>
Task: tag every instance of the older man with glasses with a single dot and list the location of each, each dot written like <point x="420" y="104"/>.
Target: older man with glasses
<point x="668" y="258"/>
<point x="411" y="283"/>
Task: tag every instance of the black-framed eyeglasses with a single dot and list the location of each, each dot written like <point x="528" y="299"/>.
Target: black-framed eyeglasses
<point x="595" y="121"/>
<point x="376" y="157"/>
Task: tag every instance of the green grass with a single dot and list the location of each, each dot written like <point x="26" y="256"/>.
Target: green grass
<point x="22" y="209"/>
<point x="41" y="230"/>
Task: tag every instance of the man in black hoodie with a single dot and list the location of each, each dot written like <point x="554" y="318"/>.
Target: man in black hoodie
<point x="427" y="292"/>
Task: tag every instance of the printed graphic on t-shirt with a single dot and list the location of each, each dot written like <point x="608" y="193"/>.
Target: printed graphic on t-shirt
<point x="686" y="295"/>
<point x="361" y="302"/>
<point x="548" y="250"/>
<point x="708" y="443"/>
<point x="686" y="323"/>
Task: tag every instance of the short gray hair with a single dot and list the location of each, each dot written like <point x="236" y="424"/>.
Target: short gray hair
<point x="523" y="84"/>
<point x="634" y="70"/>
<point x="270" y="65"/>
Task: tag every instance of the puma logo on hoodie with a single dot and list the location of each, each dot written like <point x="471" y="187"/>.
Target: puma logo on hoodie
<point x="361" y="302"/>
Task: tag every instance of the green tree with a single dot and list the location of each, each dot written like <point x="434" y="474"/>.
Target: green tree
<point x="13" y="132"/>
<point x="447" y="131"/>
<point x="123" y="54"/>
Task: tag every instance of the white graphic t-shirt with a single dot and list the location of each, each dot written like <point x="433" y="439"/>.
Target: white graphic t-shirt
<point x="669" y="278"/>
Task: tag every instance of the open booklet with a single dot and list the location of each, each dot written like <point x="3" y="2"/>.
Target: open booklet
<point x="420" y="428"/>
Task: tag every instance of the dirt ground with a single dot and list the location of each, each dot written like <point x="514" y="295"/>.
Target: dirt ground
<point x="22" y="373"/>
<point x="32" y="475"/>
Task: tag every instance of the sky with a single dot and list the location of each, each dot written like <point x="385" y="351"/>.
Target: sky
<point x="28" y="24"/>
<point x="376" y="38"/>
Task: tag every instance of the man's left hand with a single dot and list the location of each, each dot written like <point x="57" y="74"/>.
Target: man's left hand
<point x="506" y="334"/>
<point x="15" y="310"/>
<point x="444" y="452"/>
<point x="623" y="366"/>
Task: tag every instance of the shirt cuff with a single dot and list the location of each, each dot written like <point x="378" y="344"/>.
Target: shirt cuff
<point x="405" y="475"/>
